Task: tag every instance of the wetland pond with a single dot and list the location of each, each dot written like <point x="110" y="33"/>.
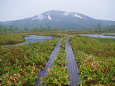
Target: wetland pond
<point x="35" y="38"/>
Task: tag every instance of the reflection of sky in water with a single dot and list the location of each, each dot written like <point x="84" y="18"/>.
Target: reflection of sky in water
<point x="35" y="38"/>
<point x="98" y="35"/>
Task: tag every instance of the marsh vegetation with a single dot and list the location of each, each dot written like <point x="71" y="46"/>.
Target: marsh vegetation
<point x="20" y="65"/>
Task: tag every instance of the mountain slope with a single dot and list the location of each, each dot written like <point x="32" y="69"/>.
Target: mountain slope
<point x="58" y="19"/>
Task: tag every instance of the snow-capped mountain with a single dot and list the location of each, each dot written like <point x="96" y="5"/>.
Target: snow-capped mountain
<point x="58" y="19"/>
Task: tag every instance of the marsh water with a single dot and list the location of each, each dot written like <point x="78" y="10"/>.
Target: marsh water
<point x="35" y="38"/>
<point x="103" y="35"/>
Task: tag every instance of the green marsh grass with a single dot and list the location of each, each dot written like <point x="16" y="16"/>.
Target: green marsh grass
<point x="96" y="60"/>
<point x="20" y="65"/>
<point x="11" y="38"/>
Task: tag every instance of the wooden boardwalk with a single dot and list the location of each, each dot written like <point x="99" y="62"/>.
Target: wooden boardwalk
<point x="49" y="63"/>
<point x="72" y="66"/>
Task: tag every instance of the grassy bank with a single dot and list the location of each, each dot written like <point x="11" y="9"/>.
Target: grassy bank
<point x="20" y="65"/>
<point x="57" y="75"/>
<point x="11" y="38"/>
<point x="96" y="60"/>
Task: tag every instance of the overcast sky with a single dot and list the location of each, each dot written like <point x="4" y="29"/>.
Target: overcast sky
<point x="19" y="9"/>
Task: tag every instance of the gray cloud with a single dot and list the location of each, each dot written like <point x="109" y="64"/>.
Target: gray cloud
<point x="19" y="9"/>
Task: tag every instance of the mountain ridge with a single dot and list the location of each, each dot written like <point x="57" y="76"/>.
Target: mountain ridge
<point x="58" y="19"/>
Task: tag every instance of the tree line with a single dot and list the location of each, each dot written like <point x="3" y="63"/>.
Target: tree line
<point x="4" y="29"/>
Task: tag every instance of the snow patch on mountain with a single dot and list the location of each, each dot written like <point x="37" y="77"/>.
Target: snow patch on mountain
<point x="33" y="18"/>
<point x="40" y="17"/>
<point x="66" y="13"/>
<point x="76" y="15"/>
<point x="49" y="17"/>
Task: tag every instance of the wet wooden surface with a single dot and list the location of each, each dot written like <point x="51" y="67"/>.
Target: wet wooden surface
<point x="72" y="65"/>
<point x="49" y="63"/>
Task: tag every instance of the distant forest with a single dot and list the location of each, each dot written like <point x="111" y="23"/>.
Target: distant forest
<point x="6" y="29"/>
<point x="99" y="28"/>
<point x="11" y="29"/>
